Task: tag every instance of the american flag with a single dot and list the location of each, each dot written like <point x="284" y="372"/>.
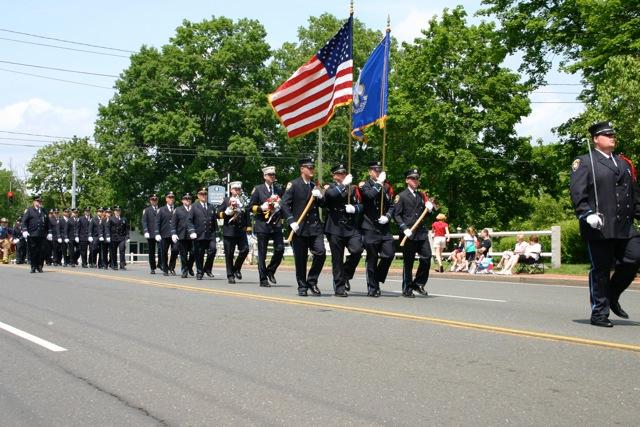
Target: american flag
<point x="307" y="100"/>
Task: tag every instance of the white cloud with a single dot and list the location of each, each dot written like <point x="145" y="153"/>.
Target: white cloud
<point x="411" y="23"/>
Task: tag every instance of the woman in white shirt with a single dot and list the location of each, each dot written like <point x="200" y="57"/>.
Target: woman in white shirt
<point x="519" y="249"/>
<point x="531" y="255"/>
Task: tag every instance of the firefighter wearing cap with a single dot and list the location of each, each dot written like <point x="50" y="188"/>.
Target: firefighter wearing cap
<point x="84" y="236"/>
<point x="234" y="212"/>
<point x="265" y="204"/>
<point x="163" y="236"/>
<point x="48" y="244"/>
<point x="35" y="228"/>
<point x="103" y="254"/>
<point x="20" y="242"/>
<point x="74" y="238"/>
<point x="608" y="228"/>
<point x="64" y="231"/>
<point x="377" y="203"/>
<point x="183" y="233"/>
<point x="205" y="224"/>
<point x="309" y="233"/>
<point x="408" y="207"/>
<point x="95" y="233"/>
<point x="117" y="235"/>
<point x="342" y="206"/>
<point x="6" y="239"/>
<point x="56" y="240"/>
<point x="149" y="220"/>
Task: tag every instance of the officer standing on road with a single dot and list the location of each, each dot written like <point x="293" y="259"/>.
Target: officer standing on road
<point x="408" y="207"/>
<point x="95" y="234"/>
<point x="234" y="231"/>
<point x="65" y="223"/>
<point x="48" y="244"/>
<point x="163" y="236"/>
<point x="266" y="207"/>
<point x="117" y="232"/>
<point x="103" y="256"/>
<point x="85" y="238"/>
<point x="205" y="224"/>
<point x="183" y="234"/>
<point x="309" y="233"/>
<point x="56" y="241"/>
<point x="35" y="228"/>
<point x="149" y="219"/>
<point x="342" y="206"/>
<point x="604" y="192"/>
<point x="74" y="239"/>
<point x="376" y="234"/>
<point x="20" y="242"/>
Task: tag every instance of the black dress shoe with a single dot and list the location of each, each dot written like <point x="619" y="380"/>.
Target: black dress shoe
<point x="184" y="275"/>
<point x="408" y="294"/>
<point x="172" y="272"/>
<point x="314" y="290"/>
<point x="377" y="293"/>
<point x="39" y="269"/>
<point x="152" y="272"/>
<point x="199" y="276"/>
<point x="347" y="286"/>
<point x="231" y="281"/>
<point x="341" y="294"/>
<point x="604" y="322"/>
<point x="421" y="290"/>
<point x="618" y="311"/>
<point x="302" y="293"/>
<point x="122" y="267"/>
<point x="165" y="273"/>
<point x="265" y="284"/>
<point x="85" y="266"/>
<point x="272" y="278"/>
<point x="191" y="273"/>
<point x="238" y="275"/>
<point x="33" y="270"/>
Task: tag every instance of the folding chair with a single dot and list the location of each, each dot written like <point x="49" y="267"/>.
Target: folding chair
<point x="531" y="266"/>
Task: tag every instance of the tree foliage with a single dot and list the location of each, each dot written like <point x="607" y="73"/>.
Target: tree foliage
<point x="10" y="182"/>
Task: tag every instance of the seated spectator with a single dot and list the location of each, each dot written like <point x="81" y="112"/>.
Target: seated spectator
<point x="531" y="255"/>
<point x="519" y="249"/>
<point x="485" y="243"/>
<point x="440" y="231"/>
<point x="457" y="257"/>
<point x="483" y="265"/>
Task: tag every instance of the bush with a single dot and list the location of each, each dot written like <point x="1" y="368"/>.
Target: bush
<point x="574" y="250"/>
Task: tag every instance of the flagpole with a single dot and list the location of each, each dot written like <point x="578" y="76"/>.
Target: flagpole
<point x="350" y="121"/>
<point x="319" y="171"/>
<point x="384" y="129"/>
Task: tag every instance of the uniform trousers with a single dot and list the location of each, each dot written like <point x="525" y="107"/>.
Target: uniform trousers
<point x="276" y="258"/>
<point x="84" y="251"/>
<point x="423" y="249"/>
<point x="230" y="244"/>
<point x="103" y="255"/>
<point x="202" y="248"/>
<point x="343" y="270"/>
<point x="65" y="253"/>
<point x="94" y="250"/>
<point x="301" y="247"/>
<point x="56" y="252"/>
<point x="114" y="248"/>
<point x="605" y="289"/>
<point x="185" y="247"/>
<point x="36" y="251"/>
<point x="152" y="253"/>
<point x="74" y="252"/>
<point x="21" y="251"/>
<point x="380" y="254"/>
<point x="167" y="262"/>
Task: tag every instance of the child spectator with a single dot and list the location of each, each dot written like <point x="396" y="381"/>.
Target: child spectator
<point x="440" y="231"/>
<point x="470" y="242"/>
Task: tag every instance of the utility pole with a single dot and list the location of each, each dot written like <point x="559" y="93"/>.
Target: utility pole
<point x="73" y="184"/>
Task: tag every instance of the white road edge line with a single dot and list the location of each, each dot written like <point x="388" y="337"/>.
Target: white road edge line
<point x="27" y="336"/>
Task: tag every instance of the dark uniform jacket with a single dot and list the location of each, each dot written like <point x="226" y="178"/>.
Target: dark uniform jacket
<point x="72" y="227"/>
<point x="370" y="193"/>
<point x="149" y="216"/>
<point x="83" y="228"/>
<point x="64" y="227"/>
<point x="406" y="211"/>
<point x="294" y="201"/>
<point x="54" y="227"/>
<point x="235" y="225"/>
<point x="339" y="222"/>
<point x="273" y="221"/>
<point x="95" y="227"/>
<point x="204" y="220"/>
<point x="163" y="221"/>
<point x="618" y="197"/>
<point x="181" y="222"/>
<point x="117" y="229"/>
<point x="36" y="223"/>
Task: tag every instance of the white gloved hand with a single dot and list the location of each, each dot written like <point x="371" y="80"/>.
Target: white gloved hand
<point x="193" y="236"/>
<point x="77" y="240"/>
<point x="25" y="234"/>
<point x="429" y="206"/>
<point x="228" y="211"/>
<point x="66" y="240"/>
<point x="295" y="227"/>
<point x="49" y="237"/>
<point x="91" y="239"/>
<point x="407" y="233"/>
<point x="347" y="179"/>
<point x="316" y="193"/>
<point x="15" y="241"/>
<point x="101" y="239"/>
<point x="276" y="206"/>
<point x="158" y="238"/>
<point x="264" y="206"/>
<point x="383" y="219"/>
<point x="108" y="239"/>
<point x="594" y="221"/>
<point x="350" y="208"/>
<point x="382" y="178"/>
<point x="174" y="238"/>
<point x="128" y="240"/>
<point x="146" y="235"/>
<point x="59" y="240"/>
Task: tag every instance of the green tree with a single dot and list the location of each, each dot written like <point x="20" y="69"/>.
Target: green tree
<point x="9" y="182"/>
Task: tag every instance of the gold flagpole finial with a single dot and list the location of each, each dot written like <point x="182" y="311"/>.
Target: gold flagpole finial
<point x="351" y="7"/>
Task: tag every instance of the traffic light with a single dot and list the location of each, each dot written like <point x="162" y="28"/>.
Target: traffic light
<point x="10" y="198"/>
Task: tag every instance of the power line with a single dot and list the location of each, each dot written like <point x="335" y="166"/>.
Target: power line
<point x="58" y="69"/>
<point x="36" y="134"/>
<point x="555" y="102"/>
<point x="65" y="48"/>
<point x="66" y="41"/>
<point x="562" y="84"/>
<point x="53" y="78"/>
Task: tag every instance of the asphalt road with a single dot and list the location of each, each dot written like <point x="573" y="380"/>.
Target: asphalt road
<point x="150" y="350"/>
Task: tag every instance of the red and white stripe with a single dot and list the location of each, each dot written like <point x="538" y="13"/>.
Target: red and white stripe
<point x="306" y="101"/>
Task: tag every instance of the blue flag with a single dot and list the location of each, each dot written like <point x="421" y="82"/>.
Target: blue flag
<point x="371" y="91"/>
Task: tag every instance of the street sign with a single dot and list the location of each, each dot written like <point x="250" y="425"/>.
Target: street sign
<point x="216" y="194"/>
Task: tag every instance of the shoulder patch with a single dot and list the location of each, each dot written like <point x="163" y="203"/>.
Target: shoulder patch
<point x="575" y="165"/>
<point x="397" y="199"/>
<point x="289" y="185"/>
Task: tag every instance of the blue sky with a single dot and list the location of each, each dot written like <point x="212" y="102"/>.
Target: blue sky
<point x="39" y="106"/>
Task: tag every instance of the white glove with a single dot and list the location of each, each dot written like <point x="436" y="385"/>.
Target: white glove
<point x="316" y="193"/>
<point x="49" y="237"/>
<point x="429" y="206"/>
<point x="350" y="208"/>
<point x="59" y="240"/>
<point x="128" y="240"/>
<point x="276" y="206"/>
<point x="594" y="221"/>
<point x="91" y="239"/>
<point x="381" y="178"/>
<point x="193" y="236"/>
<point x="146" y="235"/>
<point x="77" y="240"/>
<point x="264" y="206"/>
<point x="101" y="239"/>
<point x="25" y="234"/>
<point x="158" y="238"/>
<point x="295" y="227"/>
<point x="407" y="233"/>
<point x="228" y="211"/>
<point x="15" y="241"/>
<point x="383" y="219"/>
<point x="347" y="180"/>
<point x="174" y="238"/>
<point x="66" y="240"/>
<point x="108" y="239"/>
